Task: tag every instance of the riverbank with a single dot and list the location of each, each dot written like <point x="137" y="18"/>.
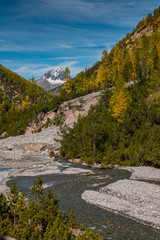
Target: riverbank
<point x="135" y="199"/>
<point x="45" y="166"/>
<point x="143" y="173"/>
<point x="28" y="155"/>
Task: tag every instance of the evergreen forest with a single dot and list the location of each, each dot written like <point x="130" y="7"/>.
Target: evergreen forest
<point x="38" y="217"/>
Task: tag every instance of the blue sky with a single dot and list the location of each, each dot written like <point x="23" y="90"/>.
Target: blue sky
<point x="37" y="35"/>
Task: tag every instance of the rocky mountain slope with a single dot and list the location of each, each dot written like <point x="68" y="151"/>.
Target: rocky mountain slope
<point x="66" y="113"/>
<point x="52" y="79"/>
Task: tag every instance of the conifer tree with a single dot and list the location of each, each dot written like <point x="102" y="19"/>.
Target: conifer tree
<point x="105" y="76"/>
<point x="13" y="198"/>
<point x="66" y="75"/>
<point x="4" y="208"/>
<point x="120" y="100"/>
<point x="38" y="191"/>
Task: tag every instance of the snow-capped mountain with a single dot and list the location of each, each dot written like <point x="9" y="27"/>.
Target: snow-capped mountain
<point x="52" y="79"/>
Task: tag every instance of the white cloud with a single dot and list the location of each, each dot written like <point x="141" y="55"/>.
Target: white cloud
<point x="37" y="70"/>
<point x="108" y="12"/>
<point x="7" y="46"/>
<point x="72" y="66"/>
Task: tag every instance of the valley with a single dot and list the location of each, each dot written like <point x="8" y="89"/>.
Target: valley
<point x="94" y="140"/>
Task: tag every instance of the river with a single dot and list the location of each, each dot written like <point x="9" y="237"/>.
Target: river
<point x="68" y="189"/>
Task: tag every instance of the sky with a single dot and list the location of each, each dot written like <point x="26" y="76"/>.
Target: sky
<point x="38" y="35"/>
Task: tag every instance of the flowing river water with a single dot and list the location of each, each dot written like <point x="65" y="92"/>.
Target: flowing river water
<point x="68" y="189"/>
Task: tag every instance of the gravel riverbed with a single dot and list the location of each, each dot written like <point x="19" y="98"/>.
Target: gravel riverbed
<point x="135" y="199"/>
<point x="144" y="173"/>
<point x="27" y="155"/>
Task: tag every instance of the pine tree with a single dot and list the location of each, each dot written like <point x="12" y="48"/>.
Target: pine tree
<point x="38" y="191"/>
<point x="13" y="198"/>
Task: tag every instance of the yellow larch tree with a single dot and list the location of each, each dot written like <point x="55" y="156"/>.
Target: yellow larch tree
<point x="93" y="82"/>
<point x="105" y="75"/>
<point x="119" y="101"/>
<point x="68" y="86"/>
<point x="26" y="103"/>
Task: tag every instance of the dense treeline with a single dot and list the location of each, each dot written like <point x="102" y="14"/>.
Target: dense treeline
<point x="38" y="217"/>
<point x="149" y="20"/>
<point x="133" y="140"/>
<point x="124" y="128"/>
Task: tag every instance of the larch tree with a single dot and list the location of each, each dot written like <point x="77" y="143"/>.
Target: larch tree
<point x="68" y="86"/>
<point x="105" y="75"/>
<point x="119" y="100"/>
<point x="68" y="82"/>
<point x="66" y="74"/>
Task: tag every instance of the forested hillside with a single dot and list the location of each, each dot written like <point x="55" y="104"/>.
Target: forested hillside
<point x="20" y="101"/>
<point x="18" y="90"/>
<point x="135" y="56"/>
<point x="125" y="127"/>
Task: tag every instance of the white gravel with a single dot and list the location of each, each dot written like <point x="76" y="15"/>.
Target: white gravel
<point x="47" y="135"/>
<point x="4" y="177"/>
<point x="144" y="173"/>
<point x="135" y="199"/>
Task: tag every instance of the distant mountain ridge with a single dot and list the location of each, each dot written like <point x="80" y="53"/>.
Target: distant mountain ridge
<point x="51" y="79"/>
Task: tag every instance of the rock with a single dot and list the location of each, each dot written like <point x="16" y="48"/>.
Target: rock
<point x="70" y="109"/>
<point x="109" y="166"/>
<point x="3" y="134"/>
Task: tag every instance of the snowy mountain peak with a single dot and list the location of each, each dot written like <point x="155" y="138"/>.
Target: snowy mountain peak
<point x="53" y="74"/>
<point x="51" y="79"/>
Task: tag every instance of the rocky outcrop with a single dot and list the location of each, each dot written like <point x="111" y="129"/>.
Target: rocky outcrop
<point x="78" y="106"/>
<point x="148" y="31"/>
<point x="34" y="148"/>
<point x="67" y="113"/>
<point x="39" y="121"/>
<point x="6" y="238"/>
